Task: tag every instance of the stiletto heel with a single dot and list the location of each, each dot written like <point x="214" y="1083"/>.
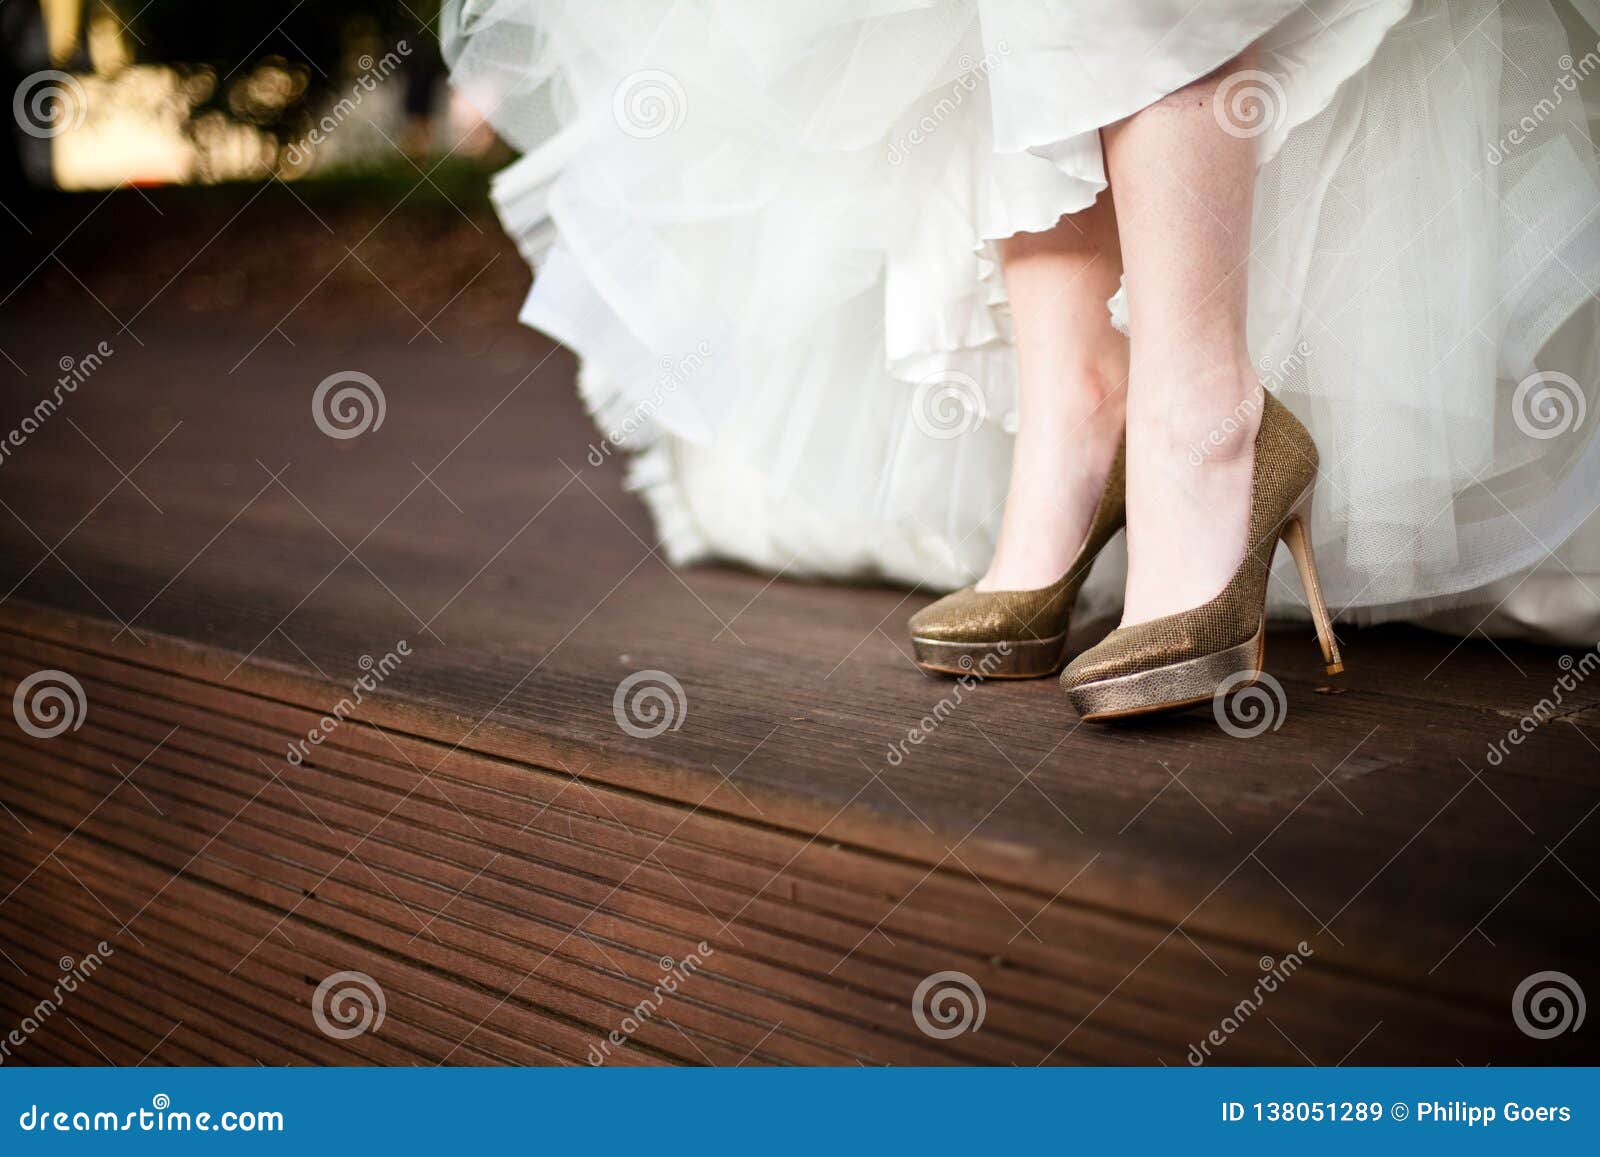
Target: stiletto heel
<point x="1179" y="660"/>
<point x="1015" y="634"/>
<point x="1297" y="537"/>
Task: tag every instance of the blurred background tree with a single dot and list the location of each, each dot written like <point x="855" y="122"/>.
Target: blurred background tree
<point x="258" y="64"/>
<point x="184" y="91"/>
<point x="261" y="149"/>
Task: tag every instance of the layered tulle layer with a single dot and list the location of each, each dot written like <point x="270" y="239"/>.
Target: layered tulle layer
<point x="768" y="232"/>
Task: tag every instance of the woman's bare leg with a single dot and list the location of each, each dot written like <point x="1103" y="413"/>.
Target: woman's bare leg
<point x="1072" y="371"/>
<point x="1183" y="189"/>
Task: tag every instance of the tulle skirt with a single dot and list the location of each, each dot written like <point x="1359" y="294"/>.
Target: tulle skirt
<point x="768" y="231"/>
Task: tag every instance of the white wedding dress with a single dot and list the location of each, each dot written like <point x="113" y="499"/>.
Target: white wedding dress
<point x="767" y="230"/>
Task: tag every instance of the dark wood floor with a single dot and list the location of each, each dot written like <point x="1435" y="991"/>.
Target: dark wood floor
<point x="512" y="867"/>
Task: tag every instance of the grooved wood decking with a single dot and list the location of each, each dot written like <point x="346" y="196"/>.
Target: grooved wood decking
<point x="516" y="872"/>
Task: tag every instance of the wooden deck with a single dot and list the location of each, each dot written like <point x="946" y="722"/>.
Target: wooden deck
<point x="516" y="872"/>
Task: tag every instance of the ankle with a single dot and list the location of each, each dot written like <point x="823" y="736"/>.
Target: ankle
<point x="1083" y="408"/>
<point x="1220" y="435"/>
<point x="1065" y="443"/>
<point x="1204" y="421"/>
<point x="1101" y="391"/>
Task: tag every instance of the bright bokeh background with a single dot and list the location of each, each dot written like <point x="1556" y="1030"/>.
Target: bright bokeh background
<point x="131" y="110"/>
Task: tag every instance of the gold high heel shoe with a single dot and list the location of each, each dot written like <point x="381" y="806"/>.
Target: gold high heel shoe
<point x="1182" y="659"/>
<point x="1014" y="634"/>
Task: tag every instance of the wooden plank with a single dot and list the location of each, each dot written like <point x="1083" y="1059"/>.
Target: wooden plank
<point x="1489" y="811"/>
<point x="445" y="1013"/>
<point x="632" y="865"/>
<point x="133" y="1000"/>
<point x="105" y="698"/>
<point x="406" y="898"/>
<point x="113" y="1021"/>
<point x="1110" y="889"/>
